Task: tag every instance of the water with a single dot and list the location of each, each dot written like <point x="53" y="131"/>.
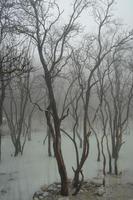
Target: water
<point x="20" y="177"/>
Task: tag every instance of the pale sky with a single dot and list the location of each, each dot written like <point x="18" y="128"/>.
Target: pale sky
<point x="122" y="10"/>
<point x="125" y="11"/>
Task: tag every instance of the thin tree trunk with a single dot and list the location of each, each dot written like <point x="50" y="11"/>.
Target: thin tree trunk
<point x="0" y="144"/>
<point x="17" y="148"/>
<point x="113" y="145"/>
<point x="116" y="166"/>
<point x="109" y="154"/>
<point x="2" y="97"/>
<point x="98" y="148"/>
<point x="49" y="143"/>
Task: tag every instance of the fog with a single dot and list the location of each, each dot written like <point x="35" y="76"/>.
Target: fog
<point x="66" y="98"/>
<point x="20" y="177"/>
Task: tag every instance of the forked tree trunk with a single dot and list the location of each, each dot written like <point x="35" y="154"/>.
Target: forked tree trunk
<point x="56" y="133"/>
<point x="62" y="169"/>
<point x="76" y="179"/>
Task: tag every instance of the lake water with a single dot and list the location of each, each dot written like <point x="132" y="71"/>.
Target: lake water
<point x="20" y="177"/>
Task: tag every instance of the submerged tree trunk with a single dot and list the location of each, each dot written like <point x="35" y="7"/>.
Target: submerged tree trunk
<point x="18" y="148"/>
<point x="2" y="97"/>
<point x="116" y="155"/>
<point x="116" y="166"/>
<point x="104" y="157"/>
<point x="62" y="169"/>
<point x="0" y="133"/>
<point x="109" y="155"/>
<point x="76" y="179"/>
<point x="49" y="143"/>
<point x="98" y="147"/>
<point x="55" y="131"/>
<point x="113" y="145"/>
<point x="0" y="144"/>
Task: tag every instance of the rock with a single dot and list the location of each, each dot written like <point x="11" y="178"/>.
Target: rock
<point x="44" y="187"/>
<point x="81" y="191"/>
<point x="96" y="182"/>
<point x="100" y="191"/>
<point x="3" y="191"/>
<point x="63" y="198"/>
<point x="40" y="195"/>
<point x="45" y="194"/>
<point x="131" y="184"/>
<point x="35" y="198"/>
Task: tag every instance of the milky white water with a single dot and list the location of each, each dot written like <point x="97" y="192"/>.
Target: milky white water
<point x="20" y="177"/>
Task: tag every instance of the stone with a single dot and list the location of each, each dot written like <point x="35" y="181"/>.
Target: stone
<point x="40" y="195"/>
<point x="100" y="191"/>
<point x="45" y="194"/>
<point x="63" y="198"/>
<point x="44" y="187"/>
<point x="81" y="191"/>
<point x="3" y="191"/>
<point x="96" y="182"/>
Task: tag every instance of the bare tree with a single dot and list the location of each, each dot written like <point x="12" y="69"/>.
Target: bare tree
<point x="52" y="49"/>
<point x="89" y="59"/>
<point x="4" y="14"/>
<point x="87" y="62"/>
<point x="121" y="91"/>
<point x="17" y="106"/>
<point x="9" y="54"/>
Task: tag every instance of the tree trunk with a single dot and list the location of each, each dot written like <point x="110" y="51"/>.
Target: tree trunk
<point x="0" y="145"/>
<point x="109" y="155"/>
<point x="17" y="148"/>
<point x="2" y="97"/>
<point x="49" y="143"/>
<point x="98" y="149"/>
<point x="76" y="179"/>
<point x="0" y="132"/>
<point x="115" y="166"/>
<point x="113" y="146"/>
<point x="62" y="170"/>
<point x="103" y="154"/>
<point x="57" y="139"/>
<point x="80" y="139"/>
